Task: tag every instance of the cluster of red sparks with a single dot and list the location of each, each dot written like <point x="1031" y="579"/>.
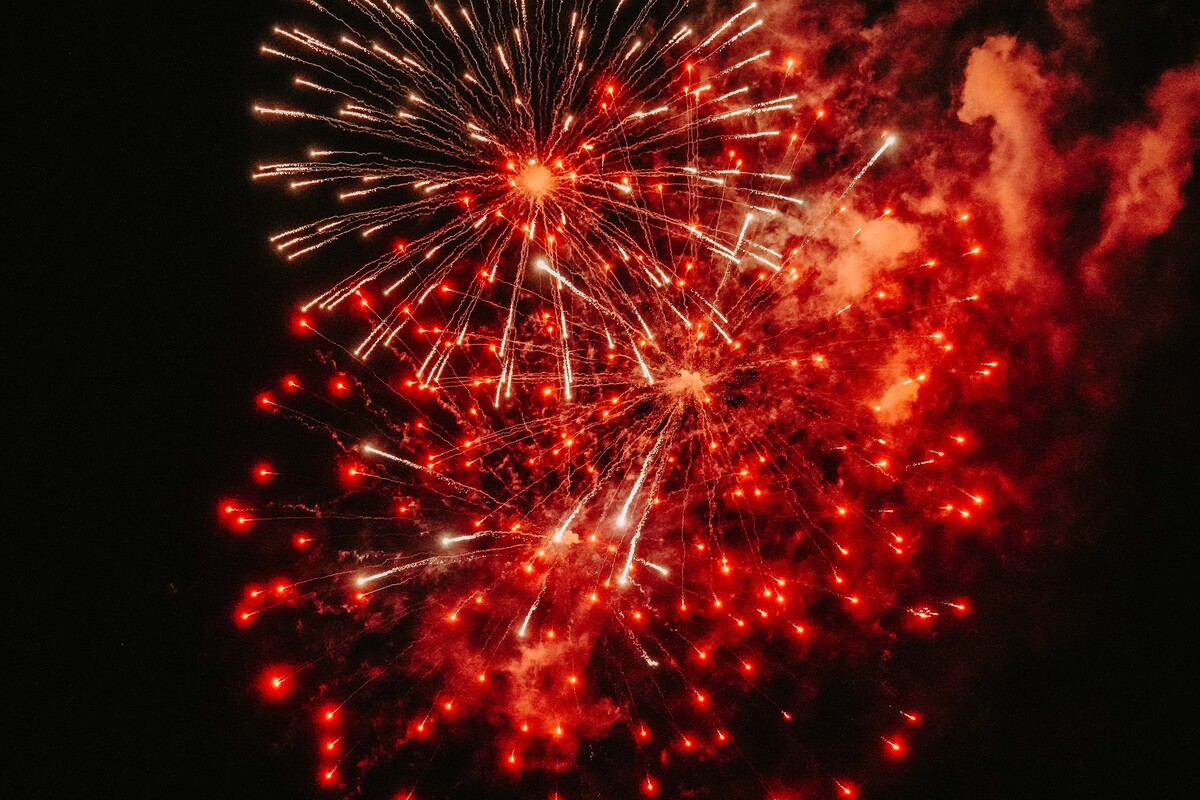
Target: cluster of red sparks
<point x="610" y="461"/>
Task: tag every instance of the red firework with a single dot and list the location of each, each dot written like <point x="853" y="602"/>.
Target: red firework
<point x="637" y="449"/>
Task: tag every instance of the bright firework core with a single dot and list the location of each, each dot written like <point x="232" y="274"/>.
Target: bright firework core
<point x="535" y="181"/>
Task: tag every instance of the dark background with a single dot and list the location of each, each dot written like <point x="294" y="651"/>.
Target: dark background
<point x="163" y="312"/>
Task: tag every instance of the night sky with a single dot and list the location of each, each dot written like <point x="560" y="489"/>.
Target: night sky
<point x="1079" y="683"/>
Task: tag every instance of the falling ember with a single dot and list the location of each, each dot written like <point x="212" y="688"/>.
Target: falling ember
<point x="609" y="460"/>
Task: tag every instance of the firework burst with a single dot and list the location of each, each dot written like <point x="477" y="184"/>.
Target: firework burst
<point x="578" y="159"/>
<point x="609" y="469"/>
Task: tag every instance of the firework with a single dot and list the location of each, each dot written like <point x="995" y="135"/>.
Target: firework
<point x="515" y="158"/>
<point x="607" y="468"/>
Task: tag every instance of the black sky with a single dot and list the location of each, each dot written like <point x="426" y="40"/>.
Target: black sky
<point x="131" y="677"/>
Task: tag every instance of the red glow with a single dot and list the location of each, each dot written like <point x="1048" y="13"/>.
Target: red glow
<point x="277" y="682"/>
<point x="243" y="615"/>
<point x="302" y="326"/>
<point x="352" y="473"/>
<point x="339" y="385"/>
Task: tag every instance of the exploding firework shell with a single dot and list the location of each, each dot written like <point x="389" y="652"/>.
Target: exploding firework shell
<point x="577" y="164"/>
<point x="636" y="473"/>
